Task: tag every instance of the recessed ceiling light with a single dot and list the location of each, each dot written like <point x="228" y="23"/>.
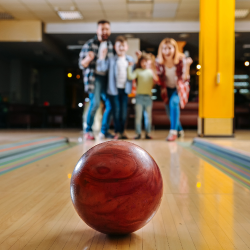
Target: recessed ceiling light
<point x="241" y="13"/>
<point x="69" y="15"/>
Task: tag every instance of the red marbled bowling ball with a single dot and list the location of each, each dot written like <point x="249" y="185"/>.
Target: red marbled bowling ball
<point x="116" y="187"/>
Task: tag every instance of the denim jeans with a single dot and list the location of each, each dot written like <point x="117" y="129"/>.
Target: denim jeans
<point x="173" y="109"/>
<point x="143" y="105"/>
<point x="119" y="104"/>
<point x="100" y="91"/>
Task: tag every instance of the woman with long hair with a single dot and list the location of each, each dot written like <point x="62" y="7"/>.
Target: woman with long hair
<point x="173" y="70"/>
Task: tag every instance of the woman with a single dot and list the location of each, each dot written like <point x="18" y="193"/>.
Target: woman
<point x="173" y="70"/>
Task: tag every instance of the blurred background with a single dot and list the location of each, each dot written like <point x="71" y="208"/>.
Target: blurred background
<point x="41" y="85"/>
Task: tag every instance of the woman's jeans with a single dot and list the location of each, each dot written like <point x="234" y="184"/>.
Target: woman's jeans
<point x="143" y="105"/>
<point x="119" y="104"/>
<point x="173" y="109"/>
<point x="100" y="91"/>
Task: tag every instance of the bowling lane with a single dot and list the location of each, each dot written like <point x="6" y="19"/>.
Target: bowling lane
<point x="202" y="208"/>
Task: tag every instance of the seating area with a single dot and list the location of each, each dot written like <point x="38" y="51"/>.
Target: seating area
<point x="31" y="116"/>
<point x="242" y="116"/>
<point x="189" y="115"/>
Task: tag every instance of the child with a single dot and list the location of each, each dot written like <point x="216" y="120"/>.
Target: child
<point x="118" y="84"/>
<point x="145" y="75"/>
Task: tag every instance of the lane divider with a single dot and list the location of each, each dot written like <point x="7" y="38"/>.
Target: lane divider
<point x="234" y="163"/>
<point x="14" y="156"/>
<point x="17" y="148"/>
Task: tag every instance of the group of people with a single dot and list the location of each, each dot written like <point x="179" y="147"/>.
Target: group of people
<point x="109" y="77"/>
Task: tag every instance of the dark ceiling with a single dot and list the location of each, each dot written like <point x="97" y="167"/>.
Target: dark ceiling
<point x="148" y="41"/>
<point x="53" y="49"/>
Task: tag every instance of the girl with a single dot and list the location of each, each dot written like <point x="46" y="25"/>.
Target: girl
<point x="145" y="75"/>
<point x="173" y="71"/>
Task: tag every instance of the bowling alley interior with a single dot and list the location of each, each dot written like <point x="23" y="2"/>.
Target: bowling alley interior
<point x="125" y="124"/>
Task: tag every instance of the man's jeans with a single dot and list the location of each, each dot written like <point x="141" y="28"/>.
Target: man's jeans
<point x="173" y="109"/>
<point x="119" y="105"/>
<point x="100" y="91"/>
<point x="143" y="105"/>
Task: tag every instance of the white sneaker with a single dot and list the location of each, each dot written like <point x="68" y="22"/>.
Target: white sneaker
<point x="101" y="136"/>
<point x="181" y="134"/>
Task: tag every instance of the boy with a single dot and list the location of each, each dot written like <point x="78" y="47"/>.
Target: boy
<point x="118" y="84"/>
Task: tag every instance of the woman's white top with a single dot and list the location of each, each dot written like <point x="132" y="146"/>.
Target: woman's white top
<point x="171" y="78"/>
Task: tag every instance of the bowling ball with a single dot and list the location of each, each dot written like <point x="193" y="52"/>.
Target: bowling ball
<point x="116" y="187"/>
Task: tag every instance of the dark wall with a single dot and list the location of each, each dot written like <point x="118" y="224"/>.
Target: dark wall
<point x="52" y="85"/>
<point x="15" y="81"/>
<point x="23" y="83"/>
<point x="4" y="77"/>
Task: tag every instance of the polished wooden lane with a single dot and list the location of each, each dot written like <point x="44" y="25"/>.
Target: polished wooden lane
<point x="202" y="208"/>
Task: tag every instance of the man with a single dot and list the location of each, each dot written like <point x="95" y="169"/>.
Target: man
<point x="96" y="82"/>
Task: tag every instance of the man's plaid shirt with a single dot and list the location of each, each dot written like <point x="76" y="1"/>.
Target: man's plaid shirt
<point x="89" y="72"/>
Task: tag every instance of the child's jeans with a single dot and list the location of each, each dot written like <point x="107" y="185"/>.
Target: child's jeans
<point x="143" y="105"/>
<point x="119" y="104"/>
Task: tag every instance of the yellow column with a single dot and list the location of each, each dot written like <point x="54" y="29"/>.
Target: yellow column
<point x="216" y="57"/>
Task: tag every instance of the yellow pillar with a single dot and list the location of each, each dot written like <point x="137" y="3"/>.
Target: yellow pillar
<point x="216" y="57"/>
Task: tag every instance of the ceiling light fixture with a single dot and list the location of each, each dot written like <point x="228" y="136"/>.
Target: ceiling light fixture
<point x="241" y="13"/>
<point x="70" y="15"/>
